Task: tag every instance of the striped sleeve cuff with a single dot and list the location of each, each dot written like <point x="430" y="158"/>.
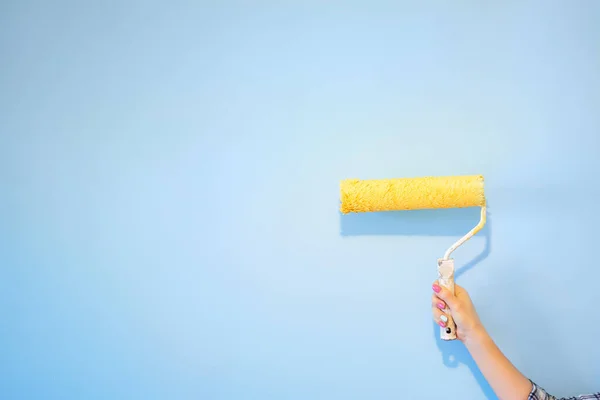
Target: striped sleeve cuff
<point x="537" y="393"/>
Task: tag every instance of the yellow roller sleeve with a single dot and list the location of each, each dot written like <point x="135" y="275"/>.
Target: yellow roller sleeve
<point x="411" y="193"/>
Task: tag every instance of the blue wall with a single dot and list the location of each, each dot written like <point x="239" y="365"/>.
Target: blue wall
<point x="169" y="224"/>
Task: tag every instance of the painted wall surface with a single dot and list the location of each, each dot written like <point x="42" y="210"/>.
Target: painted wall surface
<point x="169" y="192"/>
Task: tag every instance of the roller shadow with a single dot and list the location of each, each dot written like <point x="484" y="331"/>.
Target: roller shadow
<point x="447" y="222"/>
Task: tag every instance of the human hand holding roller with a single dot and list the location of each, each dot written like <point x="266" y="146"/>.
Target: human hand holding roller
<point x="457" y="307"/>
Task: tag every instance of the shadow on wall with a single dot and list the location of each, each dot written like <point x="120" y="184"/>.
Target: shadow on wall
<point x="446" y="222"/>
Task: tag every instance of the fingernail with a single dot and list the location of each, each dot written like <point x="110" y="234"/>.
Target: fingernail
<point x="442" y="324"/>
<point x="444" y="318"/>
<point x="441" y="306"/>
<point x="436" y="288"/>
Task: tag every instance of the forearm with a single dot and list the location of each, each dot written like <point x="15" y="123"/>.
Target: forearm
<point x="506" y="380"/>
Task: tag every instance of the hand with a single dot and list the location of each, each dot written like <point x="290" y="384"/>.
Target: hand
<point x="506" y="380"/>
<point x="461" y="308"/>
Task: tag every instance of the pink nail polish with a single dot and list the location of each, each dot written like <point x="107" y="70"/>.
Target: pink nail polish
<point x="441" y="306"/>
<point x="442" y="324"/>
<point x="436" y="288"/>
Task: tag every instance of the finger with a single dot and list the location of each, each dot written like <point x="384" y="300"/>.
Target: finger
<point x="437" y="302"/>
<point x="445" y="295"/>
<point x="440" y="317"/>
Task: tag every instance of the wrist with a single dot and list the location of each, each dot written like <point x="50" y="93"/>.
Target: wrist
<point x="476" y="336"/>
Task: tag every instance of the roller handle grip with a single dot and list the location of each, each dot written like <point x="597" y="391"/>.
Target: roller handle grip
<point x="446" y="279"/>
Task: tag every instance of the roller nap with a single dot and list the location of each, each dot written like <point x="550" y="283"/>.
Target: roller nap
<point x="411" y="193"/>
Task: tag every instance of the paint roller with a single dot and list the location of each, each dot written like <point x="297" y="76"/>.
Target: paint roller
<point x="377" y="195"/>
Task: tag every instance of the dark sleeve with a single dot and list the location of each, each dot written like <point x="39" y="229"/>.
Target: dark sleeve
<point x="538" y="393"/>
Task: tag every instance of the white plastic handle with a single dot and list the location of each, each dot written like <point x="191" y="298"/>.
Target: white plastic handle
<point x="446" y="279"/>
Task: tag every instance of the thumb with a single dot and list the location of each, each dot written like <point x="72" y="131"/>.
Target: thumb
<point x="449" y="298"/>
